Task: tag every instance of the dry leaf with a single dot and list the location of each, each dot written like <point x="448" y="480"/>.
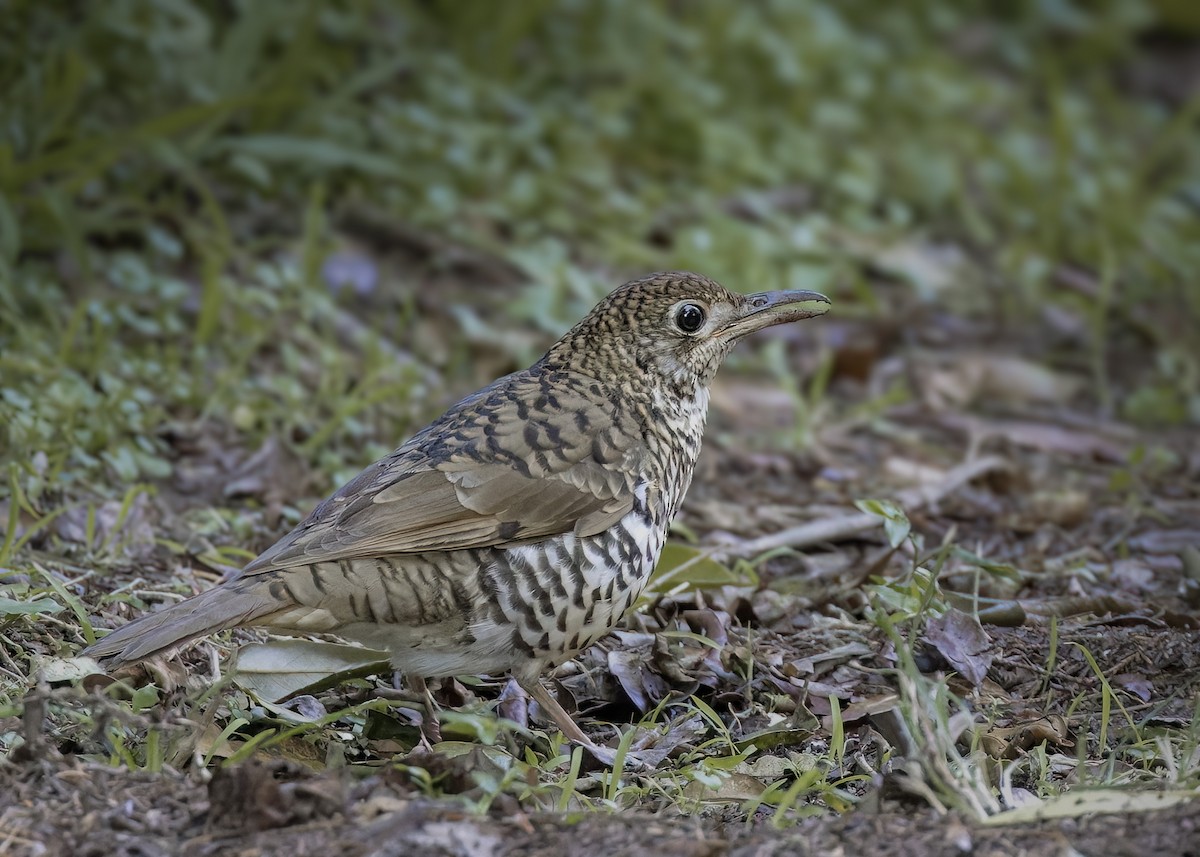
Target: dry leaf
<point x="962" y="641"/>
<point x="277" y="669"/>
<point x="1080" y="802"/>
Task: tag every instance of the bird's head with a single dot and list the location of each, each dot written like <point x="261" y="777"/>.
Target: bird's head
<point x="675" y="325"/>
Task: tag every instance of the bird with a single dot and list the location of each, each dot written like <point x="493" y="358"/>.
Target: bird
<point x="516" y="529"/>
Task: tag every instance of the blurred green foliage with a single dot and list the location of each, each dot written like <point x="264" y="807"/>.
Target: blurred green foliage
<point x="156" y="155"/>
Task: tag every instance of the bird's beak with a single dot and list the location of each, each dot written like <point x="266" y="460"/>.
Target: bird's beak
<point x="770" y="308"/>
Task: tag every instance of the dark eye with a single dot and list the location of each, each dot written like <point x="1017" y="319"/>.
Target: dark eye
<point x="689" y="318"/>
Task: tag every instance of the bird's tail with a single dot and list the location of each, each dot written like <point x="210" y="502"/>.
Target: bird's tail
<point x="238" y="602"/>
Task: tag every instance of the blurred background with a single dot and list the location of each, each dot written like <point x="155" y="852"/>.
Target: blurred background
<point x="322" y="222"/>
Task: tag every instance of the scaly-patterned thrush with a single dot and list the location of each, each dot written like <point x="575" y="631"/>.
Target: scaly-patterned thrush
<point x="516" y="529"/>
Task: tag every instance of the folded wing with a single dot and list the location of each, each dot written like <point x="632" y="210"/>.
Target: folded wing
<point x="509" y="465"/>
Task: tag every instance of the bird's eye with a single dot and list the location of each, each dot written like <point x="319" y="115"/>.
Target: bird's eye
<point x="689" y="318"/>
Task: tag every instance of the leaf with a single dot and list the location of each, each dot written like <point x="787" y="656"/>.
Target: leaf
<point x="10" y="233"/>
<point x="1080" y="802"/>
<point x="144" y="697"/>
<point x="278" y="669"/>
<point x="905" y="598"/>
<point x="322" y="154"/>
<point x="962" y="641"/>
<point x="768" y="768"/>
<point x="895" y="522"/>
<point x="1013" y="742"/>
<point x="641" y="685"/>
<point x="56" y="670"/>
<point x="12" y="607"/>
<point x="774" y="736"/>
<point x="728" y="788"/>
<point x="999" y="569"/>
<point x="682" y="564"/>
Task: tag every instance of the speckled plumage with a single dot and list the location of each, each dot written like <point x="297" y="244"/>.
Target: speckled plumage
<point x="517" y="528"/>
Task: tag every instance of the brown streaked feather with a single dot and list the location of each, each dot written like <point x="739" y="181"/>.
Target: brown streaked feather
<point x="483" y="475"/>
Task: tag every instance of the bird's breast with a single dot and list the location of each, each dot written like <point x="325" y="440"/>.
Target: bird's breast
<point x="673" y="437"/>
<point x="561" y="595"/>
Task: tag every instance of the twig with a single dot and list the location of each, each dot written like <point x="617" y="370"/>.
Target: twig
<point x="844" y="526"/>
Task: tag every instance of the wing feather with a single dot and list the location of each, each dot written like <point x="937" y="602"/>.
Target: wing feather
<point x="492" y="471"/>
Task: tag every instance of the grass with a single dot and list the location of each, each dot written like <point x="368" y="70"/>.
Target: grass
<point x="328" y="115"/>
<point x="173" y="179"/>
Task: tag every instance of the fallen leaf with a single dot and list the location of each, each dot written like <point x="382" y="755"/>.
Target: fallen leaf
<point x="767" y="768"/>
<point x="514" y="703"/>
<point x="13" y="607"/>
<point x="114" y="523"/>
<point x="819" y="663"/>
<point x="733" y="788"/>
<point x="1065" y="507"/>
<point x="1080" y="802"/>
<point x="1132" y="575"/>
<point x="1137" y="684"/>
<point x="962" y="641"/>
<point x="1165" y="541"/>
<point x="680" y="564"/>
<point x="775" y="736"/>
<point x="863" y="708"/>
<point x="350" y="267"/>
<point x="57" y="670"/>
<point x="643" y="687"/>
<point x="910" y="472"/>
<point x="1011" y="742"/>
<point x="995" y="377"/>
<point x="1069" y="440"/>
<point x="653" y="747"/>
<point x="277" y="669"/>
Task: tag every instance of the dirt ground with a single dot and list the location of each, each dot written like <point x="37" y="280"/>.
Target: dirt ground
<point x="258" y="810"/>
<point x="1071" y="535"/>
<point x="1047" y="513"/>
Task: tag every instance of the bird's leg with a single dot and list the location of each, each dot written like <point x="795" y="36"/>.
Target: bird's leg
<point x="431" y="730"/>
<point x="550" y="705"/>
<point x="569" y="728"/>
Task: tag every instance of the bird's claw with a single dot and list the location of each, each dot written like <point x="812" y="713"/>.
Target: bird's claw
<point x="607" y="756"/>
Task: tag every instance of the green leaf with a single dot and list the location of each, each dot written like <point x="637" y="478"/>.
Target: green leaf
<point x="144" y="697"/>
<point x="895" y="522"/>
<point x="999" y="569"/>
<point x="683" y="564"/>
<point x="321" y="154"/>
<point x="12" y="607"/>
<point x="10" y="233"/>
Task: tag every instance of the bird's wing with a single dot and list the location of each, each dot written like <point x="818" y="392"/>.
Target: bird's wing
<point x="516" y="462"/>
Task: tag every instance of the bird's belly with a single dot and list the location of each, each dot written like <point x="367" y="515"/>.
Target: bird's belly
<point x="484" y="610"/>
<point x="434" y="652"/>
<point x="542" y="602"/>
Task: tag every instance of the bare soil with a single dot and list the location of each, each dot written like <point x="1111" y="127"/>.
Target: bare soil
<point x="1075" y="543"/>
<point x="260" y="809"/>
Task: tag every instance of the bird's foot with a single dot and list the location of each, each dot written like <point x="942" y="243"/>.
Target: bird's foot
<point x="431" y="732"/>
<point x="420" y="695"/>
<point x="608" y="757"/>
